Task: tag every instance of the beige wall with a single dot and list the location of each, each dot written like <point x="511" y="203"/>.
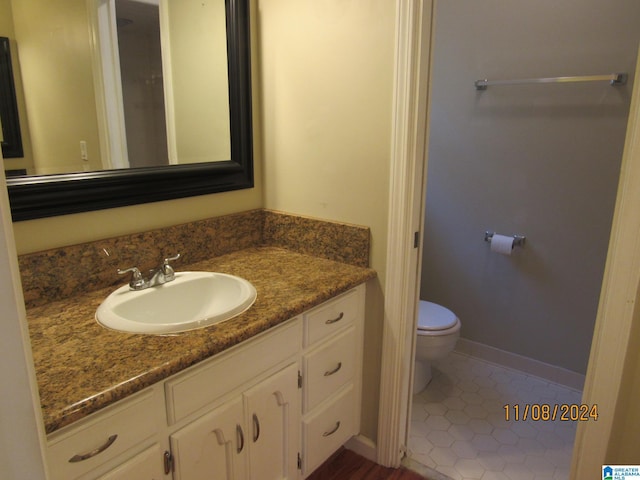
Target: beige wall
<point x="327" y="77"/>
<point x="541" y="161"/>
<point x="327" y="81"/>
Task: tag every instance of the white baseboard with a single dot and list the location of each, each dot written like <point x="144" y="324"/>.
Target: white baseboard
<point x="363" y="446"/>
<point x="527" y="365"/>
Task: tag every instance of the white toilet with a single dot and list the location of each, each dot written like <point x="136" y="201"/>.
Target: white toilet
<point x="437" y="333"/>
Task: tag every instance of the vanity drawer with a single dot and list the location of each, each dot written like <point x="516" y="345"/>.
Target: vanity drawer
<point x="197" y="387"/>
<point x="144" y="466"/>
<point x="329" y="367"/>
<point x="104" y="436"/>
<point x="330" y="317"/>
<point x="328" y="429"/>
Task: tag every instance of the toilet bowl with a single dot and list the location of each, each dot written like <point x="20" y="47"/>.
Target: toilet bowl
<point x="437" y="333"/>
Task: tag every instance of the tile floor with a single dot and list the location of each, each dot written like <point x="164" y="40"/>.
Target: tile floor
<point x="458" y="424"/>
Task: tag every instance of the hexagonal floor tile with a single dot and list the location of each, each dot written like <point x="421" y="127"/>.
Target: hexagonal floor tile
<point x="460" y="418"/>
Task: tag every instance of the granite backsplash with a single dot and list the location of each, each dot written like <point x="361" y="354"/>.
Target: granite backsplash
<point x="67" y="271"/>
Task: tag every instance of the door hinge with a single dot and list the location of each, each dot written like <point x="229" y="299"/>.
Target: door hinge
<point x="168" y="462"/>
<point x="416" y="239"/>
<point x="299" y="461"/>
<point x="299" y="379"/>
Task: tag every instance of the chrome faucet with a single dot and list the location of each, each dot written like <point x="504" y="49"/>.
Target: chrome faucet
<point x="157" y="276"/>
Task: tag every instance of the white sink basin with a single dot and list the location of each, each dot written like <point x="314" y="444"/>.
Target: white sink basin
<point x="193" y="300"/>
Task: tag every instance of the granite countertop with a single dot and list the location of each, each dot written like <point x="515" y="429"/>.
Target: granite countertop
<point x="82" y="367"/>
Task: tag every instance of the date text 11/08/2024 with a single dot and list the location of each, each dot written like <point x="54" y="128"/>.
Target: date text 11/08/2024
<point x="545" y="412"/>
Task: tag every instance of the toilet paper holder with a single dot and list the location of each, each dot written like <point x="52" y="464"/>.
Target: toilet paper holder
<point x="518" y="240"/>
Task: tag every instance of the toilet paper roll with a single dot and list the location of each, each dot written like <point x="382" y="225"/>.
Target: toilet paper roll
<point x="501" y="244"/>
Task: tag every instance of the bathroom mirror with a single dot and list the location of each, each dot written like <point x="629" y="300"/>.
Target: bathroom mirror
<point x="38" y="196"/>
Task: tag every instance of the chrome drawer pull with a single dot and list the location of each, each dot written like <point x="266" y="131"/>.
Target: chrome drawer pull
<point x="256" y="428"/>
<point x="335" y="429"/>
<point x="93" y="453"/>
<point x="240" y="439"/>
<point x="167" y="462"/>
<point x="334" y="320"/>
<point x="335" y="370"/>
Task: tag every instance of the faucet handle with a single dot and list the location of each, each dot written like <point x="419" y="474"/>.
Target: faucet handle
<point x="136" y="277"/>
<point x="167" y="269"/>
<point x="171" y="259"/>
<point x="134" y="270"/>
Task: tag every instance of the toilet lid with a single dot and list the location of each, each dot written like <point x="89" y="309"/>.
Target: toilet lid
<point x="435" y="317"/>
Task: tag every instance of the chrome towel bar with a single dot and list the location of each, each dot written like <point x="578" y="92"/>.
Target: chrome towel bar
<point x="614" y="79"/>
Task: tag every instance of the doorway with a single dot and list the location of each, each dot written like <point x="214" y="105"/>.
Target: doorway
<point x="413" y="22"/>
<point x="130" y="86"/>
<point x="540" y="160"/>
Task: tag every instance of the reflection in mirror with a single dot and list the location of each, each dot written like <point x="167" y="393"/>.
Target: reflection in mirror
<point x="139" y="61"/>
<point x="9" y="120"/>
<point x="197" y="83"/>
<point x="155" y="73"/>
<point x="62" y="47"/>
<point x="166" y="60"/>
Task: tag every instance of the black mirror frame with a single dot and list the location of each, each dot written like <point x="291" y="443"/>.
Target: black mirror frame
<point x="43" y="196"/>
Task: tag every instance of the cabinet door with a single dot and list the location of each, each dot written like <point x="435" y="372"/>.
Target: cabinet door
<point x="273" y="415"/>
<point x="144" y="466"/>
<point x="212" y="447"/>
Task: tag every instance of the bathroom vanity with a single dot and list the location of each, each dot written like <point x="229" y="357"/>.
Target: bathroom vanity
<point x="275" y="406"/>
<point x="270" y="393"/>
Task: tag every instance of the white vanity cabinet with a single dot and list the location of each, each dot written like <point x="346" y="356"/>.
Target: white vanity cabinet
<point x="252" y="436"/>
<point x="272" y="408"/>
<point x="237" y="415"/>
<point x="332" y="376"/>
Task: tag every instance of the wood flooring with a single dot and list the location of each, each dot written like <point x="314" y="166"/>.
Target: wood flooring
<point x="347" y="465"/>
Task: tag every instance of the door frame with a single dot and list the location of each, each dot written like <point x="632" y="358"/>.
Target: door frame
<point x="406" y="220"/>
<point x="406" y="204"/>
<point x="618" y="298"/>
<point x="22" y="435"/>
